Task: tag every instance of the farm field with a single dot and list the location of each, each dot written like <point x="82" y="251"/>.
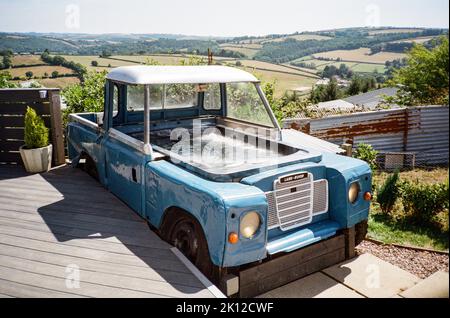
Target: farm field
<point x="271" y="72"/>
<point x="284" y="82"/>
<point x="300" y="37"/>
<point x="39" y="71"/>
<point x="103" y="63"/>
<point x="392" y="31"/>
<point x="360" y="55"/>
<point x="165" y="59"/>
<point x="60" y="82"/>
<point x="367" y="68"/>
<point x="355" y="66"/>
<point x="312" y="60"/>
<point x="26" y="60"/>
<point x="272" y="67"/>
<point x="286" y="78"/>
<point x="248" y="50"/>
<point x="301" y="69"/>
<point x="419" y="40"/>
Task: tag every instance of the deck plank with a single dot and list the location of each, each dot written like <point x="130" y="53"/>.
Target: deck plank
<point x="49" y="221"/>
<point x="160" y="288"/>
<point x="147" y="273"/>
<point x="13" y="289"/>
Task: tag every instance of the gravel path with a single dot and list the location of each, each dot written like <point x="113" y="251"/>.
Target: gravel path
<point x="420" y="263"/>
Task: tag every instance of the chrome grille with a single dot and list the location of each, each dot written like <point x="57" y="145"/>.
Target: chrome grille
<point x="294" y="203"/>
<point x="272" y="217"/>
<point x="320" y="197"/>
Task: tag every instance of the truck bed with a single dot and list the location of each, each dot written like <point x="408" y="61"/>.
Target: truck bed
<point x="219" y="155"/>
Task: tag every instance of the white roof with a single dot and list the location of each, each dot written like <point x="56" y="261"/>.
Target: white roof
<point x="144" y="74"/>
<point x="336" y="104"/>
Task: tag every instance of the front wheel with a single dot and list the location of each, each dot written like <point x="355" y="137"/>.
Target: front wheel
<point x="187" y="235"/>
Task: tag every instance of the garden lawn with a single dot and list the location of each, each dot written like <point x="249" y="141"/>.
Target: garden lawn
<point x="396" y="228"/>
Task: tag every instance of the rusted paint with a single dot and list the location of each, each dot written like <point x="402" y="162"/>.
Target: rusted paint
<point x="306" y="128"/>
<point x="422" y="130"/>
<point x="392" y="125"/>
<point x="397" y="122"/>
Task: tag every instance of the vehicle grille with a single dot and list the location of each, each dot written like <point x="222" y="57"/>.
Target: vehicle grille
<point x="294" y="202"/>
<point x="320" y="197"/>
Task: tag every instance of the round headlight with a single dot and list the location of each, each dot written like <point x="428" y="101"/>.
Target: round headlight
<point x="353" y="192"/>
<point x="250" y="224"/>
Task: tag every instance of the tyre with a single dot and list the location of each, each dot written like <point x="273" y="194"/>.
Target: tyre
<point x="187" y="235"/>
<point x="90" y="168"/>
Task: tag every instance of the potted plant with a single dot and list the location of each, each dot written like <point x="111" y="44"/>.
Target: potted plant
<point x="37" y="152"/>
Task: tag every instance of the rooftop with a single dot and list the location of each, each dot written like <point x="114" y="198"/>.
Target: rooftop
<point x="143" y="74"/>
<point x="373" y="98"/>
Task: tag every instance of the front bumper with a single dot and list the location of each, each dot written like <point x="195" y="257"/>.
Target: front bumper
<point x="311" y="234"/>
<point x="286" y="268"/>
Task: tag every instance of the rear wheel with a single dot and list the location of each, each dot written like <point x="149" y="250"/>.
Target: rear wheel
<point x="90" y="167"/>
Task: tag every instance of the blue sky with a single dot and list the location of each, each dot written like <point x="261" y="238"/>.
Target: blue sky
<point x="218" y="18"/>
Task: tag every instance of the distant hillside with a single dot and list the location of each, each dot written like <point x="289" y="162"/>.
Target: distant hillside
<point x="279" y="48"/>
<point x="298" y="58"/>
<point x="112" y="44"/>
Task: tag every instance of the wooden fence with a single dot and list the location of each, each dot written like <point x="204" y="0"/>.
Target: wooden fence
<point x="13" y="105"/>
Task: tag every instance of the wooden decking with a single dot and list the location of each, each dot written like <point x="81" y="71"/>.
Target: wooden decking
<point x="62" y="225"/>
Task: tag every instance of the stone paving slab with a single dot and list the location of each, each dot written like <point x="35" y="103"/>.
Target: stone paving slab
<point x="435" y="286"/>
<point x="317" y="285"/>
<point x="372" y="277"/>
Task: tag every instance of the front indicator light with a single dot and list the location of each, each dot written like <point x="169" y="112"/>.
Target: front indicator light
<point x="368" y="196"/>
<point x="233" y="238"/>
<point x="250" y="224"/>
<point x="353" y="192"/>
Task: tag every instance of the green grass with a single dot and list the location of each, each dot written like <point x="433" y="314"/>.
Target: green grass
<point x="383" y="228"/>
<point x="399" y="228"/>
<point x="368" y="68"/>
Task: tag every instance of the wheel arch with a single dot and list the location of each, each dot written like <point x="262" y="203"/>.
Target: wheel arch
<point x="172" y="215"/>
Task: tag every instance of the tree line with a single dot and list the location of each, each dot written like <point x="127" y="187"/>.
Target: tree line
<point x="291" y="49"/>
<point x="58" y="60"/>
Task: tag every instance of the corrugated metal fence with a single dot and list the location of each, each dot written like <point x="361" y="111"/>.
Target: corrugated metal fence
<point x="420" y="130"/>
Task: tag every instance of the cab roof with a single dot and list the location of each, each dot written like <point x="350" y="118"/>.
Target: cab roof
<point x="144" y="74"/>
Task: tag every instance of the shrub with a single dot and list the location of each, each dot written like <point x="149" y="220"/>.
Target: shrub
<point x="5" y="80"/>
<point x="425" y="201"/>
<point x="36" y="134"/>
<point x="368" y="154"/>
<point x="87" y="96"/>
<point x="388" y="193"/>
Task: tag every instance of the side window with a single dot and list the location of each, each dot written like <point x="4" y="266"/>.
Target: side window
<point x="115" y="100"/>
<point x="135" y="97"/>
<point x="212" y="99"/>
<point x="180" y="95"/>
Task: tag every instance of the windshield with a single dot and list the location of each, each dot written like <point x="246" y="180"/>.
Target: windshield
<point x="244" y="103"/>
